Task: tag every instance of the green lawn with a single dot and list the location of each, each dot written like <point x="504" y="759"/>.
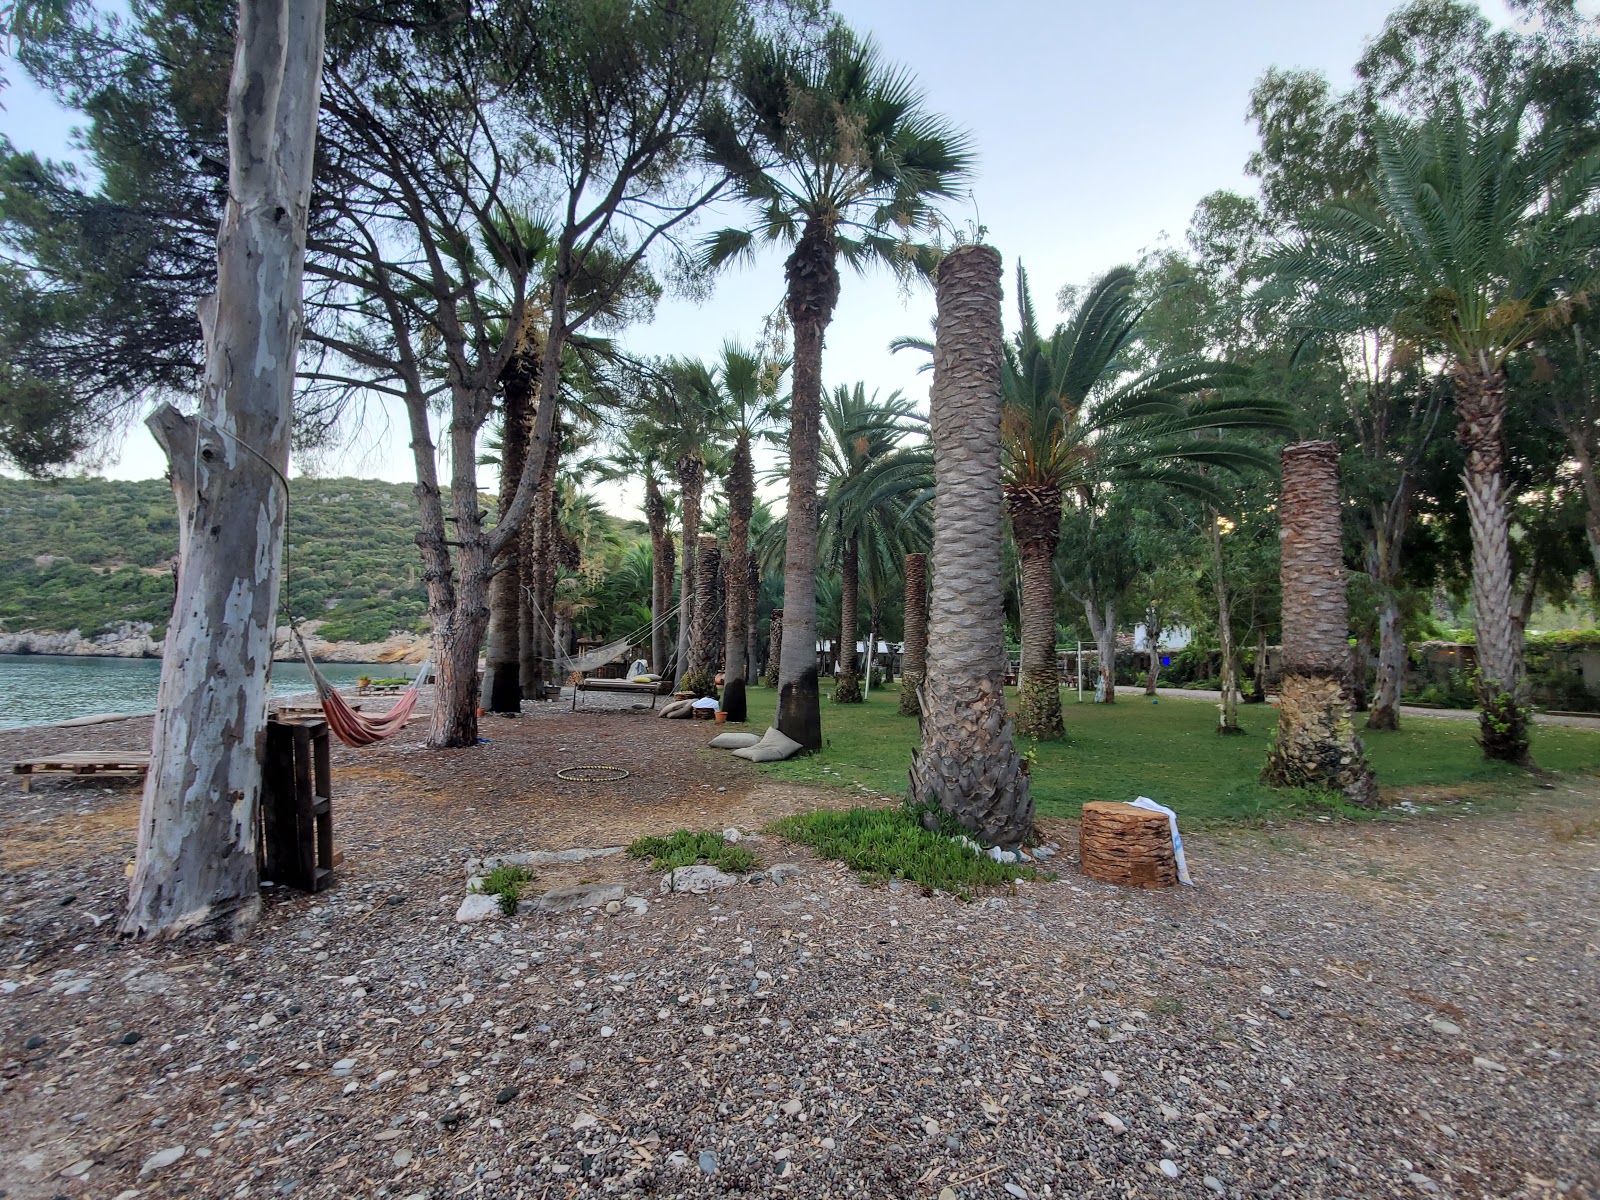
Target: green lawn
<point x="1167" y="751"/>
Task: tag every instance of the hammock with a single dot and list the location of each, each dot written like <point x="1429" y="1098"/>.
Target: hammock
<point x="349" y="726"/>
<point x="598" y="657"/>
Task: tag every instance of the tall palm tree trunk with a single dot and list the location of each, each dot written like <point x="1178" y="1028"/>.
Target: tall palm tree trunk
<point x="914" y="656"/>
<point x="502" y="678"/>
<point x="741" y="503"/>
<point x="1502" y="686"/>
<point x="661" y="570"/>
<point x="702" y="638"/>
<point x="812" y="273"/>
<point x="967" y="764"/>
<point x="848" y="689"/>
<point x="1036" y="525"/>
<point x="691" y="473"/>
<point x="752" y="617"/>
<point x="537" y="554"/>
<point x="1315" y="745"/>
<point x="775" y="647"/>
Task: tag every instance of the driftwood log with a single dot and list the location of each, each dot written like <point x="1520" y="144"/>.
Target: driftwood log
<point x="1118" y="843"/>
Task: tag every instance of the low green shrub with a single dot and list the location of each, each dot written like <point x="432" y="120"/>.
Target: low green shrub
<point x="685" y="847"/>
<point x="506" y="883"/>
<point x="890" y="843"/>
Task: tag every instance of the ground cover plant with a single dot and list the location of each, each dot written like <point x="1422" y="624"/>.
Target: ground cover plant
<point x="890" y="843"/>
<point x="506" y="883"/>
<point x="1170" y="752"/>
<point x="685" y="847"/>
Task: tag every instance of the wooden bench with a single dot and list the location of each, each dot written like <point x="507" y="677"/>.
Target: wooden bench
<point x="127" y="764"/>
<point x="660" y="688"/>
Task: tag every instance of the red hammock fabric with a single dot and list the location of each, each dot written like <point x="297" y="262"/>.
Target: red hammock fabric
<point x="353" y="729"/>
<point x="349" y="726"/>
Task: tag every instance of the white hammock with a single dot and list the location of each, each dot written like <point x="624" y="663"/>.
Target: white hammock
<point x="598" y="657"/>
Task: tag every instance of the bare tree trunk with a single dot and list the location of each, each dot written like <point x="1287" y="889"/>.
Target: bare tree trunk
<point x="1258" y="677"/>
<point x="195" y="867"/>
<point x="1385" y="712"/>
<point x="1228" y="709"/>
<point x="913" y="660"/>
<point x="702" y="639"/>
<point x="1152" y="635"/>
<point x="1315" y="744"/>
<point x="529" y="620"/>
<point x="546" y="566"/>
<point x="1104" y="627"/>
<point x="848" y="689"/>
<point x="967" y="764"/>
<point x="661" y="568"/>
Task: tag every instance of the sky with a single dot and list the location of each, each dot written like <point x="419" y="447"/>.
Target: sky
<point x="1098" y="127"/>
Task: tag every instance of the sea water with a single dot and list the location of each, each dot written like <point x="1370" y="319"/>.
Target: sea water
<point x="37" y="689"/>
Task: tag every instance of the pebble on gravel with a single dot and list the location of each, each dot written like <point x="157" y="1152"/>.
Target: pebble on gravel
<point x="162" y="1158"/>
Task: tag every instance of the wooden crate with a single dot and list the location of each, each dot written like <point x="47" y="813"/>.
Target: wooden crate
<point x="296" y="834"/>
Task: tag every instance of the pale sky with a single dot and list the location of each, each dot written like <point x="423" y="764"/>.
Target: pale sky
<point x="1098" y="127"/>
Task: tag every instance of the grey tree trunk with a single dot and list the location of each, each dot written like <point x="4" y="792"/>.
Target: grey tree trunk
<point x="913" y="661"/>
<point x="1103" y="624"/>
<point x="1385" y="711"/>
<point x="1152" y="634"/>
<point x="1228" y="710"/>
<point x="195" y="867"/>
<point x="1315" y="744"/>
<point x="967" y="764"/>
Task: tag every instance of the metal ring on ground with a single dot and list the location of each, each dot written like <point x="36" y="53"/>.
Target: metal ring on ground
<point x="592" y="774"/>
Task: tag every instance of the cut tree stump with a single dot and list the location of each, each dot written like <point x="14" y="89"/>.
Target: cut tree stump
<point x="1118" y="843"/>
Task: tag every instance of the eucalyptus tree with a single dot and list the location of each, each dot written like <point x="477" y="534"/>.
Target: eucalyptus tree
<point x="1477" y="238"/>
<point x="860" y="432"/>
<point x="835" y="153"/>
<point x="435" y="131"/>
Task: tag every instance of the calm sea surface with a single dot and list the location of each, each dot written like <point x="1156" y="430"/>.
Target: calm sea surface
<point x="36" y="689"/>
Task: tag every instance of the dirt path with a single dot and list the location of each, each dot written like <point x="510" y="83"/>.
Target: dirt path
<point x="1402" y="1009"/>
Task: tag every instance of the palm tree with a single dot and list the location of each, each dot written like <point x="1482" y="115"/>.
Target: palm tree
<point x="859" y="434"/>
<point x="1471" y="237"/>
<point x="750" y="386"/>
<point x="1315" y="744"/>
<point x="913" y="658"/>
<point x="967" y="765"/>
<point x="833" y="148"/>
<point x="639" y="455"/>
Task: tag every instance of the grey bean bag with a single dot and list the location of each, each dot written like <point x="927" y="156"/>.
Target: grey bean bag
<point x="733" y="740"/>
<point x="773" y="747"/>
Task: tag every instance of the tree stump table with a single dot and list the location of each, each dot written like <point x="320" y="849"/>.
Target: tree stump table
<point x="1118" y="843"/>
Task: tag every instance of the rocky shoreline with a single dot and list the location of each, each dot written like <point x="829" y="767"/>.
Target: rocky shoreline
<point x="132" y="639"/>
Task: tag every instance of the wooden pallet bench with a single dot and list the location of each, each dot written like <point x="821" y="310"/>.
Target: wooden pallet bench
<point x="653" y="690"/>
<point x="125" y="764"/>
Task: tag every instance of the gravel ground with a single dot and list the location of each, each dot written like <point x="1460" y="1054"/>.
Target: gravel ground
<point x="1395" y="1009"/>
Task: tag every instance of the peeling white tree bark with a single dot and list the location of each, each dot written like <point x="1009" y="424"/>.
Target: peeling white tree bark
<point x="196" y="867"/>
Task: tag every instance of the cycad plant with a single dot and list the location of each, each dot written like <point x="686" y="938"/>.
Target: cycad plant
<point x="1480" y="232"/>
<point x="832" y="149"/>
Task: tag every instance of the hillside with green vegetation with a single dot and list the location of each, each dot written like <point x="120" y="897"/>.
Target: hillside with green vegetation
<point x="90" y="554"/>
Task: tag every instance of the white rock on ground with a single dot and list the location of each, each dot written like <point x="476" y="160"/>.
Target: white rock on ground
<point x="477" y="907"/>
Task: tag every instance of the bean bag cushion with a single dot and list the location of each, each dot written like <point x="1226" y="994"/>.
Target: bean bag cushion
<point x="773" y="747"/>
<point x="734" y="741"/>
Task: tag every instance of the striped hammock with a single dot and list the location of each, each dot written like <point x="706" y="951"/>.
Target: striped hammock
<point x="349" y="726"/>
